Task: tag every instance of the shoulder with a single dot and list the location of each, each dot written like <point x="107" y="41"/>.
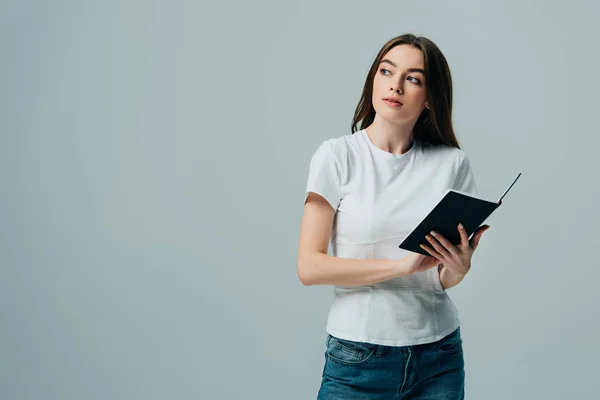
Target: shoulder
<point x="337" y="147"/>
<point x="457" y="158"/>
<point x="341" y="143"/>
<point x="461" y="158"/>
<point x="445" y="151"/>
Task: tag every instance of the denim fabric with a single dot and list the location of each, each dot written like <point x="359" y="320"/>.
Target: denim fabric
<point x="357" y="370"/>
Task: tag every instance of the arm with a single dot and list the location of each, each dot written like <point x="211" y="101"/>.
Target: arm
<point x="316" y="267"/>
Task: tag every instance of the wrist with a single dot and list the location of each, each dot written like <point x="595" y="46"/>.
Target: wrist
<point x="400" y="268"/>
<point x="449" y="278"/>
<point x="456" y="274"/>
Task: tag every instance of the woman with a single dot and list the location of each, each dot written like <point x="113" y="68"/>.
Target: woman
<point x="393" y="332"/>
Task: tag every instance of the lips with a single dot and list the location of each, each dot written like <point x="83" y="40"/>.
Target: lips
<point x="392" y="102"/>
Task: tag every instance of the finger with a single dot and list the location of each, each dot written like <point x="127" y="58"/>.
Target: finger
<point x="441" y="244"/>
<point x="477" y="236"/>
<point x="464" y="238"/>
<point x="432" y="252"/>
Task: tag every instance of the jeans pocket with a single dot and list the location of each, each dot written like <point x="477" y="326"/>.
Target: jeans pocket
<point x="349" y="352"/>
<point x="450" y="344"/>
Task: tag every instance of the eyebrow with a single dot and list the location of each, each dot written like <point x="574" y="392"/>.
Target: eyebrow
<point x="385" y="60"/>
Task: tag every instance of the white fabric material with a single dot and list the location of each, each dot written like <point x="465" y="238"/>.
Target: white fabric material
<point x="379" y="197"/>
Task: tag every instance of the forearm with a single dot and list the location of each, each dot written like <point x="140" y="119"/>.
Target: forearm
<point x="323" y="269"/>
<point x="447" y="279"/>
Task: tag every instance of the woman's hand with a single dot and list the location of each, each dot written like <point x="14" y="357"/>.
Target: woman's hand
<point x="416" y="262"/>
<point x="456" y="259"/>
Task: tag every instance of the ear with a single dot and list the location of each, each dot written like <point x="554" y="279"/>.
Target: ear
<point x="427" y="105"/>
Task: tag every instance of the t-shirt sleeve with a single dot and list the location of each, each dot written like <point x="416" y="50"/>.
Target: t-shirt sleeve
<point x="324" y="175"/>
<point x="465" y="179"/>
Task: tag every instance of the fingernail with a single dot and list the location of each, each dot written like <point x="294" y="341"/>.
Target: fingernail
<point x="460" y="226"/>
<point x="433" y="233"/>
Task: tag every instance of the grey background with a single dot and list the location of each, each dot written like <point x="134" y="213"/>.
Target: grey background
<point x="153" y="157"/>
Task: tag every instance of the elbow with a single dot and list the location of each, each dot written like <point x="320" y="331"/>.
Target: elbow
<point x="303" y="272"/>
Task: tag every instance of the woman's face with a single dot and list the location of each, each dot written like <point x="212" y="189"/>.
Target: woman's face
<point x="400" y="75"/>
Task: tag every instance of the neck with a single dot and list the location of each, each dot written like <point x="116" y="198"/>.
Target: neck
<point x="391" y="137"/>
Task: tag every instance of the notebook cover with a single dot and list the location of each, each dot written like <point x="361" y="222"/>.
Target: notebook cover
<point x="453" y="208"/>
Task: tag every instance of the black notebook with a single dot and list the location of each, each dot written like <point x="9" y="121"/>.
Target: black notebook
<point x="455" y="206"/>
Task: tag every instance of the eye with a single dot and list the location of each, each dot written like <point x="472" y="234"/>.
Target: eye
<point x="416" y="79"/>
<point x="383" y="69"/>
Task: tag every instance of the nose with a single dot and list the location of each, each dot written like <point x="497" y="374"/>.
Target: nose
<point x="398" y="88"/>
<point x="398" y="84"/>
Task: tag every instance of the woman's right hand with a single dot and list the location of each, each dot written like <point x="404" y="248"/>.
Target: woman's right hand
<point x="416" y="262"/>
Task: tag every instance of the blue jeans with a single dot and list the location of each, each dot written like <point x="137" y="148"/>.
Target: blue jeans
<point x="357" y="370"/>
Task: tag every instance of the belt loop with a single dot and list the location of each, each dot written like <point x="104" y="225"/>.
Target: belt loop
<point x="379" y="350"/>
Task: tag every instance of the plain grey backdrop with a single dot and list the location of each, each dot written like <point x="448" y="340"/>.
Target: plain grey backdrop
<point x="153" y="161"/>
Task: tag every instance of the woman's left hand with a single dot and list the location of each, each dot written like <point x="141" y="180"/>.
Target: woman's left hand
<point x="457" y="259"/>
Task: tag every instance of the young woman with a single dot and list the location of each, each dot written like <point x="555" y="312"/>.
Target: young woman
<point x="393" y="332"/>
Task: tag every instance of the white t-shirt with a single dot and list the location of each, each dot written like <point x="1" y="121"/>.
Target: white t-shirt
<point x="379" y="197"/>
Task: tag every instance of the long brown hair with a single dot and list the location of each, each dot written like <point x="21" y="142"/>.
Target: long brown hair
<point x="434" y="125"/>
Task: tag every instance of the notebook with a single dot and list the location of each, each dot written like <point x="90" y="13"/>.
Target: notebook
<point x="455" y="206"/>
